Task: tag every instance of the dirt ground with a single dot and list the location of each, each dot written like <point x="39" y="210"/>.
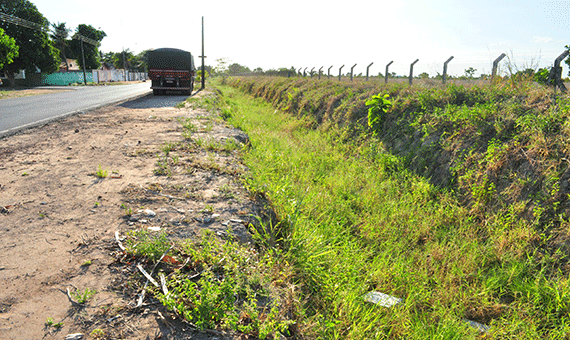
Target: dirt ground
<point x="8" y="93"/>
<point x="58" y="219"/>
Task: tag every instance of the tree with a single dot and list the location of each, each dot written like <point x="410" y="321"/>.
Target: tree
<point x="90" y="51"/>
<point x="424" y="75"/>
<point x="222" y="66"/>
<point x="36" y="50"/>
<point x="8" y="49"/>
<point x="470" y="72"/>
<point x="59" y="37"/>
<point x="235" y="69"/>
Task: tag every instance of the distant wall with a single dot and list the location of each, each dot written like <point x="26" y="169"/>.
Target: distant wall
<point x="102" y="76"/>
<point x="71" y="77"/>
<point x="65" y="78"/>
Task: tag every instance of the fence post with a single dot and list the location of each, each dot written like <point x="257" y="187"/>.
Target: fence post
<point x="305" y="72"/>
<point x="495" y="64"/>
<point x="299" y="70"/>
<point x="339" y="72"/>
<point x="351" y="71"/>
<point x="445" y="68"/>
<point x="386" y="75"/>
<point x="368" y="68"/>
<point x="329" y="72"/>
<point x="312" y="72"/>
<point x="320" y="71"/>
<point x="556" y="72"/>
<point x="412" y="71"/>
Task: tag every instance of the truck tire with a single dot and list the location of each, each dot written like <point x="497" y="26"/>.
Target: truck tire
<point x="156" y="92"/>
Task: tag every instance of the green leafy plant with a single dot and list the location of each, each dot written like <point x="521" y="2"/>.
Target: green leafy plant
<point x="541" y="76"/>
<point x="377" y="105"/>
<point x="86" y="295"/>
<point x="97" y="333"/>
<point x="51" y="323"/>
<point x="101" y="173"/>
<point x="128" y="211"/>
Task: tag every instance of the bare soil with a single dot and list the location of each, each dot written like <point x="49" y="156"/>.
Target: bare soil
<point x="8" y="93"/>
<point x="58" y="219"/>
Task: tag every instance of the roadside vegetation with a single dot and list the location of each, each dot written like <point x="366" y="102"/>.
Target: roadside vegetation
<point x="454" y="199"/>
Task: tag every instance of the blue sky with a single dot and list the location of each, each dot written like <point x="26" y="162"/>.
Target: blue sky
<point x="311" y="34"/>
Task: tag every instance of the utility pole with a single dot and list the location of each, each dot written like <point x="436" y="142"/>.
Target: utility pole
<point x="203" y="59"/>
<point x="124" y="65"/>
<point x="83" y="56"/>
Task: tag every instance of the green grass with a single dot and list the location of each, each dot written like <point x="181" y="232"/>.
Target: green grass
<point x="355" y="218"/>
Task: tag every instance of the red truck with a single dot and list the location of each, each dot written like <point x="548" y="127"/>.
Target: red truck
<point x="171" y="69"/>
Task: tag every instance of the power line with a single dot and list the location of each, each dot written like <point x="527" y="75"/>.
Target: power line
<point x="22" y="22"/>
<point x="38" y="27"/>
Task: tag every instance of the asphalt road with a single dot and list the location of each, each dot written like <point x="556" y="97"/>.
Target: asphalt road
<point x="25" y="112"/>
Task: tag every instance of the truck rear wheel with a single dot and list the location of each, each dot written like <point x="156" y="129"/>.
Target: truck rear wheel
<point x="156" y="92"/>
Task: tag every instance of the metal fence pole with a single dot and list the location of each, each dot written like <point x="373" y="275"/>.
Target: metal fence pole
<point x="351" y="71"/>
<point x="444" y="77"/>
<point x="367" y="69"/>
<point x="386" y="75"/>
<point x="495" y="65"/>
<point x="339" y="72"/>
<point x="320" y="71"/>
<point x="412" y="71"/>
<point x="299" y="71"/>
<point x="312" y="72"/>
<point x="329" y="72"/>
<point x="305" y="72"/>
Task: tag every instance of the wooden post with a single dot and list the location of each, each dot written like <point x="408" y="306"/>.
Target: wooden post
<point x="367" y="69"/>
<point x="339" y="72"/>
<point x="320" y="71"/>
<point x="351" y="71"/>
<point x="495" y="65"/>
<point x="445" y="69"/>
<point x="312" y="72"/>
<point x="412" y="71"/>
<point x="305" y="72"/>
<point x="386" y="75"/>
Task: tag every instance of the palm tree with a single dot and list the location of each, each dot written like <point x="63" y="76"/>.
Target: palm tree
<point x="59" y="36"/>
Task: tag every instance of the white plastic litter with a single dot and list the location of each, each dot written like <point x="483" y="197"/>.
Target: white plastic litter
<point x="382" y="299"/>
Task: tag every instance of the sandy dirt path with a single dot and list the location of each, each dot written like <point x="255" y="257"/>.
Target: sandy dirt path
<point x="58" y="218"/>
